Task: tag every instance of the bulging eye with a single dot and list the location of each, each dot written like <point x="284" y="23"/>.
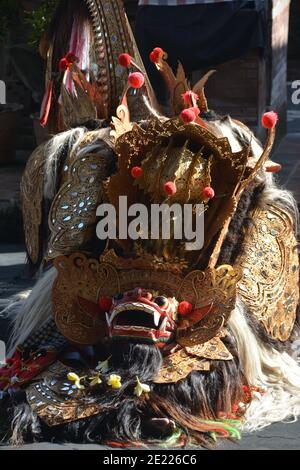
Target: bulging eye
<point x="161" y="301"/>
<point x="118" y="296"/>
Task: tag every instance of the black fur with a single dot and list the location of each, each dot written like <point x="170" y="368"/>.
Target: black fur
<point x="127" y="418"/>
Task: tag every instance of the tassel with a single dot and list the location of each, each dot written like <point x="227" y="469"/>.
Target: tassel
<point x="46" y="104"/>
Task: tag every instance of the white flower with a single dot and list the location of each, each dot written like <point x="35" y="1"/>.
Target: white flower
<point x="141" y="388"/>
<point x="75" y="378"/>
<point x="95" y="381"/>
<point x="115" y="381"/>
<point x="103" y="366"/>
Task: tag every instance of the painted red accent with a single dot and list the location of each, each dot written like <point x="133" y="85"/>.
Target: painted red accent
<point x="269" y="120"/>
<point x="199" y="313"/>
<point x="137" y="172"/>
<point x="105" y="304"/>
<point x="156" y="55"/>
<point x="170" y="188"/>
<point x="185" y="308"/>
<point x="125" y="60"/>
<point x="273" y="168"/>
<point x="189" y="96"/>
<point x="208" y="193"/>
<point x="90" y="308"/>
<point x="136" y="80"/>
<point x="24" y="371"/>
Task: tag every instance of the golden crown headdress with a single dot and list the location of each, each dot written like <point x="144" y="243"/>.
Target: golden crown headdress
<point x="177" y="160"/>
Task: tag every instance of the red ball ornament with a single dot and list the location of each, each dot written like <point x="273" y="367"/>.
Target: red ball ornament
<point x="185" y="308"/>
<point x="156" y="54"/>
<point x="170" y="188"/>
<point x="136" y="172"/>
<point x="125" y="60"/>
<point x="136" y="80"/>
<point x="269" y="120"/>
<point x="208" y="193"/>
<point x="105" y="304"/>
<point x="188" y="115"/>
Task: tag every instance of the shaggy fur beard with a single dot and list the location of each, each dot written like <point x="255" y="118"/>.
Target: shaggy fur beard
<point x="126" y="418"/>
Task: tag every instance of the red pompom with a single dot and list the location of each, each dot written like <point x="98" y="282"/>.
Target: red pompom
<point x="156" y="55"/>
<point x="64" y="64"/>
<point x="170" y="188"/>
<point x="105" y="303"/>
<point x="269" y="120"/>
<point x="189" y="115"/>
<point x="125" y="60"/>
<point x="208" y="193"/>
<point x="136" y="80"/>
<point x="137" y="172"/>
<point x="185" y="308"/>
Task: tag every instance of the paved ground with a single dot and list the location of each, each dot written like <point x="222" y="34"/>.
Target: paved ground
<point x="277" y="437"/>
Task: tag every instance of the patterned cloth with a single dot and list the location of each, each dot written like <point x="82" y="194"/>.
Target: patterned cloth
<point x="175" y="3"/>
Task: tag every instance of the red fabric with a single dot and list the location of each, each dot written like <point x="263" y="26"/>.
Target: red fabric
<point x="46" y="104"/>
<point x="19" y="372"/>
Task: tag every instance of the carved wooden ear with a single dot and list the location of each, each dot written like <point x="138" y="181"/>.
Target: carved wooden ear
<point x="199" y="89"/>
<point x="90" y="308"/>
<point x="273" y="167"/>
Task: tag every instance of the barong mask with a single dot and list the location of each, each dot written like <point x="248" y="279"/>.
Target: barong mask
<point x="184" y="160"/>
<point x="168" y="161"/>
<point x="142" y="315"/>
<point x="129" y="339"/>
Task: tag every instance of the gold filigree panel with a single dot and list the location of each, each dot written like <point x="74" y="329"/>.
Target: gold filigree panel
<point x="73" y="213"/>
<point x="56" y="401"/>
<point x="32" y="185"/>
<point x="270" y="263"/>
<point x="90" y="279"/>
<point x="180" y="364"/>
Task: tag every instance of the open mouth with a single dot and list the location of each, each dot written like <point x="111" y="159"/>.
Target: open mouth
<point x="139" y="320"/>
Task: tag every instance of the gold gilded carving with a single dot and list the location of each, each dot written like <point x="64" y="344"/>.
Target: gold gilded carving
<point x="32" y="184"/>
<point x="270" y="283"/>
